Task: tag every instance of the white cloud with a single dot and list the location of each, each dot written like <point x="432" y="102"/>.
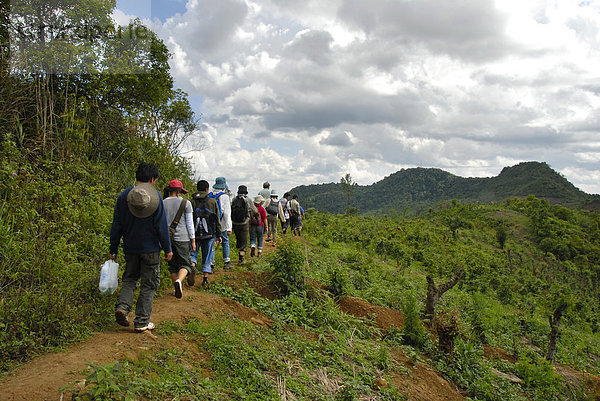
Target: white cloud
<point x="303" y="92"/>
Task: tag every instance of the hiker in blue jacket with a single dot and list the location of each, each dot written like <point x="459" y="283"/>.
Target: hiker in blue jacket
<point x="220" y="193"/>
<point x="140" y="219"/>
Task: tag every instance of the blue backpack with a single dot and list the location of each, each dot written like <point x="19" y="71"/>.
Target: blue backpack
<point x="217" y="197"/>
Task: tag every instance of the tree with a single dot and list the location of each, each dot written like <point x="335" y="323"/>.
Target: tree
<point x="554" y="321"/>
<point x="348" y="188"/>
<point x="434" y="293"/>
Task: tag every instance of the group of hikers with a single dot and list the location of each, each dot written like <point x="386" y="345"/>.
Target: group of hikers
<point x="184" y="229"/>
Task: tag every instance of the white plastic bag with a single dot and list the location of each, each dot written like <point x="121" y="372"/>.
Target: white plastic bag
<point x="109" y="277"/>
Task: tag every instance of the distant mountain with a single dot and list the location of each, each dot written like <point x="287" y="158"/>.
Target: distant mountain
<point x="418" y="189"/>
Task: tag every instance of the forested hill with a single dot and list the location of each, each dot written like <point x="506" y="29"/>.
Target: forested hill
<point x="418" y="189"/>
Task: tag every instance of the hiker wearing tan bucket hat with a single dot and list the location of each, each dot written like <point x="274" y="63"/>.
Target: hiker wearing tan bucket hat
<point x="140" y="220"/>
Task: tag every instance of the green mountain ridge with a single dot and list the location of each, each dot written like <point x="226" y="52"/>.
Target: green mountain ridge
<point x="418" y="189"/>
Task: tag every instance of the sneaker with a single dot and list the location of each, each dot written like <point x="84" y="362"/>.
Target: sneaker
<point x="227" y="265"/>
<point x="121" y="317"/>
<point x="252" y="251"/>
<point x="191" y="277"/>
<point x="205" y="283"/>
<point x="241" y="259"/>
<point x="259" y="253"/>
<point x="149" y="326"/>
<point x="178" y="292"/>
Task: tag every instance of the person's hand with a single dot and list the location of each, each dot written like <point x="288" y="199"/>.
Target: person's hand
<point x="112" y="256"/>
<point x="219" y="240"/>
<point x="193" y="247"/>
<point x="229" y="232"/>
<point x="168" y="256"/>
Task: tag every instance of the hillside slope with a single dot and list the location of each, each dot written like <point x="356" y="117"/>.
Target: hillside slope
<point x="422" y="188"/>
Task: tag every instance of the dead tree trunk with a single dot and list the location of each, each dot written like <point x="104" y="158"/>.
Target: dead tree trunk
<point x="554" y="330"/>
<point x="434" y="293"/>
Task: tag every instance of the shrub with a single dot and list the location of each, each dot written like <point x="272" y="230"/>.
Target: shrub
<point x="413" y="332"/>
<point x="288" y="268"/>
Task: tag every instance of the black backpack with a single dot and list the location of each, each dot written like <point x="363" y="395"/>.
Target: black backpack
<point x="273" y="208"/>
<point x="205" y="221"/>
<point x="239" y="209"/>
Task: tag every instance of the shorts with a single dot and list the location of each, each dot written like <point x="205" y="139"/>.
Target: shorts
<point x="181" y="257"/>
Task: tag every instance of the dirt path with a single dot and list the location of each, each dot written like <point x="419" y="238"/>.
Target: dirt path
<point x="43" y="378"/>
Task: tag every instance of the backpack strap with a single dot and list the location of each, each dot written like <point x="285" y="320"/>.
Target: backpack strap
<point x="217" y="197"/>
<point x="179" y="213"/>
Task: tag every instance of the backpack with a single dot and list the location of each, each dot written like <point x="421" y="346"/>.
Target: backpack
<point x="239" y="209"/>
<point x="273" y="208"/>
<point x="205" y="221"/>
<point x="217" y="198"/>
<point x="254" y="219"/>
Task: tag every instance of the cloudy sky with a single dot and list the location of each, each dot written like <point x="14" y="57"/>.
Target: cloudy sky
<point x="303" y="92"/>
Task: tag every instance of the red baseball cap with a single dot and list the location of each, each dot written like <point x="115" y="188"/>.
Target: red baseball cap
<point x="178" y="184"/>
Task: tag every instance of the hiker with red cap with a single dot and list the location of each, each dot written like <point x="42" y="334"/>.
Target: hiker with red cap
<point x="141" y="221"/>
<point x="181" y="224"/>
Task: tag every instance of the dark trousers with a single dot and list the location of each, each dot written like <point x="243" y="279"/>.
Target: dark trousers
<point x="146" y="268"/>
<point x="241" y="236"/>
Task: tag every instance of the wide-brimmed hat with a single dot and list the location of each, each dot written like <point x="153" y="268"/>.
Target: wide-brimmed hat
<point x="178" y="184"/>
<point x="242" y="190"/>
<point x="259" y="199"/>
<point x="274" y="193"/>
<point x="143" y="200"/>
<point x="220" y="183"/>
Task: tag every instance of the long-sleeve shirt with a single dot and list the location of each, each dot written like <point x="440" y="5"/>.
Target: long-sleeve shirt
<point x="185" y="229"/>
<point x="280" y="213"/>
<point x="140" y="235"/>
<point x="225" y="209"/>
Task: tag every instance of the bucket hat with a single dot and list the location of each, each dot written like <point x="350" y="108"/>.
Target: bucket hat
<point x="259" y="199"/>
<point x="143" y="200"/>
<point x="242" y="190"/>
<point x="220" y="183"/>
<point x="274" y="193"/>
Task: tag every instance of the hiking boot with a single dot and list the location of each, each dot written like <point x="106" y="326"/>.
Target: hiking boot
<point x="191" y="277"/>
<point x="259" y="253"/>
<point x="205" y="283"/>
<point x="178" y="292"/>
<point x="252" y="251"/>
<point x="149" y="326"/>
<point x="121" y="318"/>
<point x="240" y="259"/>
<point x="227" y="265"/>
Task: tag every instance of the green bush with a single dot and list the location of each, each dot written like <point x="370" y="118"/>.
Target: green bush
<point x="288" y="268"/>
<point x="413" y="332"/>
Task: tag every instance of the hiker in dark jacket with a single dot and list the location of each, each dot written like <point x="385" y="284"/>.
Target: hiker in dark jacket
<point x="240" y="217"/>
<point x="141" y="221"/>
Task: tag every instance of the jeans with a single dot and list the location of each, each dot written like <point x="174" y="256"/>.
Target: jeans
<point x="146" y="268"/>
<point x="206" y="246"/>
<point x="256" y="235"/>
<point x="225" y="245"/>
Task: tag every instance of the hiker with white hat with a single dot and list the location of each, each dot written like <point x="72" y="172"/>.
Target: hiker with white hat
<point x="258" y="224"/>
<point x="274" y="214"/>
<point x="141" y="221"/>
<point x="241" y="210"/>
